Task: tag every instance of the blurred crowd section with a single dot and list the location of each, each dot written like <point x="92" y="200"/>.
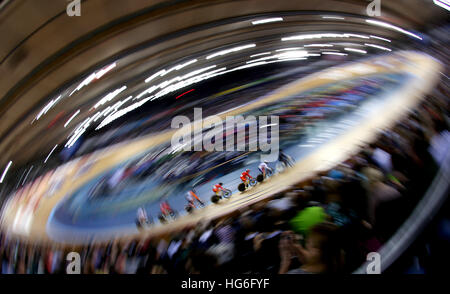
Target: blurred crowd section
<point x="326" y="224"/>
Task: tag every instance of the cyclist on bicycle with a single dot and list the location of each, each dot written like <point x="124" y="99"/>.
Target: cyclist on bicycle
<point x="142" y="218"/>
<point x="191" y="197"/>
<point x="218" y="189"/>
<point x="165" y="208"/>
<point x="263" y="167"/>
<point x="285" y="159"/>
<point x="245" y="177"/>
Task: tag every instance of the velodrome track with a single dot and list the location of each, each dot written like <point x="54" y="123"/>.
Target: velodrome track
<point x="422" y="68"/>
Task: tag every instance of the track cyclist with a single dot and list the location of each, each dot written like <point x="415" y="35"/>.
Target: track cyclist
<point x="191" y="197"/>
<point x="263" y="168"/>
<point x="166" y="210"/>
<point x="245" y="177"/>
<point x="218" y="189"/>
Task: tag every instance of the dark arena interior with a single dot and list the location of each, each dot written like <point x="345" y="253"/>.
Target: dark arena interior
<point x="221" y="137"/>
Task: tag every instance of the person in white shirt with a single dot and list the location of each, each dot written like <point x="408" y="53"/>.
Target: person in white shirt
<point x="142" y="216"/>
<point x="263" y="167"/>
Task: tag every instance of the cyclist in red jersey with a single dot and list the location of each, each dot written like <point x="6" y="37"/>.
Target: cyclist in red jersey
<point x="245" y="177"/>
<point x="218" y="189"/>
<point x="165" y="208"/>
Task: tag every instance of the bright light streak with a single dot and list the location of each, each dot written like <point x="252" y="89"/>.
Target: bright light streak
<point x="85" y="82"/>
<point x="126" y="100"/>
<point x="159" y="73"/>
<point x="285" y="59"/>
<point x="392" y="27"/>
<point x="333" y="17"/>
<point x="5" y="171"/>
<point x="102" y="72"/>
<point x="324" y="35"/>
<point x="288" y="59"/>
<point x="179" y="66"/>
<point x="267" y="20"/>
<point x="292" y="54"/>
<point x="261" y="59"/>
<point x="109" y="96"/>
<point x="186" y="64"/>
<point x="76" y="136"/>
<point x="231" y="50"/>
<point x="186" y="82"/>
<point x="355" y="50"/>
<point x="380" y="38"/>
<point x="259" y="54"/>
<point x="443" y="3"/>
<point x="377" y="46"/>
<point x="198" y="71"/>
<point x="268" y="62"/>
<point x="121" y="112"/>
<point x="319" y="45"/>
<point x="106" y="111"/>
<point x="79" y="131"/>
<point x="97" y="116"/>
<point x="347" y="44"/>
<point x="248" y="65"/>
<point x="335" y="53"/>
<point x="47" y="107"/>
<point x="358" y="36"/>
<point x="269" y="125"/>
<point x="147" y="91"/>
<point x="288" y="49"/>
<point x="71" y="118"/>
<point x="95" y="75"/>
<point x="284" y="55"/>
<point x="48" y="156"/>
<point x="211" y="74"/>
